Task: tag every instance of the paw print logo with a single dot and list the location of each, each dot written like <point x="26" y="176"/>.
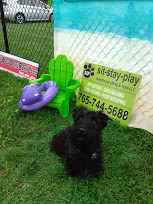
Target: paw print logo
<point x="88" y="70"/>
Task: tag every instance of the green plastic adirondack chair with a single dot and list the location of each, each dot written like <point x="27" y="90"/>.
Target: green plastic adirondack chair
<point x="61" y="71"/>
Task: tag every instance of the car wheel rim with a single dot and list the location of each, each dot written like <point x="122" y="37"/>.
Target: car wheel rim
<point x="19" y="19"/>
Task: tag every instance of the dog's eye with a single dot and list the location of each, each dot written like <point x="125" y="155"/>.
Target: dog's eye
<point x="93" y="121"/>
<point x="81" y="118"/>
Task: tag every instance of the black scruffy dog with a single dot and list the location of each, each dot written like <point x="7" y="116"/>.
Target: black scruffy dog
<point x="81" y="143"/>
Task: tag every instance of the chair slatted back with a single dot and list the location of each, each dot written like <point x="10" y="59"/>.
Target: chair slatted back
<point x="61" y="71"/>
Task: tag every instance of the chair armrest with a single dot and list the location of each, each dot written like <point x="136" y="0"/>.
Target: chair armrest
<point x="74" y="84"/>
<point x="36" y="80"/>
<point x="43" y="78"/>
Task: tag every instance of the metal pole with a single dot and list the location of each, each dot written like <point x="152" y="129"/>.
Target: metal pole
<point x="4" y="27"/>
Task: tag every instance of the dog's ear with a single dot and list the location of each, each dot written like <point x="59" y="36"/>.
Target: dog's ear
<point x="78" y="112"/>
<point x="104" y="119"/>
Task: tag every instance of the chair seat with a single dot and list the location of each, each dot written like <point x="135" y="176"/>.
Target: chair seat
<point x="59" y="97"/>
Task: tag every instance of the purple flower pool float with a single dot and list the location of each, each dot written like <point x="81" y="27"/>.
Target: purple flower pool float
<point x="32" y="97"/>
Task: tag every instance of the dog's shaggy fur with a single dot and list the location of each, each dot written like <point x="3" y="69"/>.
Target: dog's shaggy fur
<point x="81" y="143"/>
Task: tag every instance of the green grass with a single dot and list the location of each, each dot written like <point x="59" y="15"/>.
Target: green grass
<point x="32" y="41"/>
<point x="30" y="173"/>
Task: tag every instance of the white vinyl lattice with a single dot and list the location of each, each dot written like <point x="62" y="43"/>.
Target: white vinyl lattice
<point x="112" y="50"/>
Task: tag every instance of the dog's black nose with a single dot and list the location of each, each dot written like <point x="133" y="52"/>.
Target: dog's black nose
<point x="82" y="131"/>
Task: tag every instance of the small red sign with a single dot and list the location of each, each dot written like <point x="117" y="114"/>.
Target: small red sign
<point x="18" y="66"/>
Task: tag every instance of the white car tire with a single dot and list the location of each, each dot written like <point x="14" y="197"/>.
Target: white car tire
<point x="19" y="18"/>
